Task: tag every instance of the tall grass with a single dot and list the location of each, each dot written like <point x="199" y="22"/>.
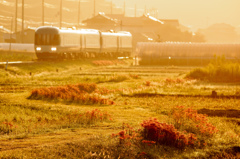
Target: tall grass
<point x="42" y="120"/>
<point x="217" y="71"/>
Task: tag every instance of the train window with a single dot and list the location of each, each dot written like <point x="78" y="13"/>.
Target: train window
<point x="37" y="38"/>
<point x="55" y="40"/>
<point x="47" y="39"/>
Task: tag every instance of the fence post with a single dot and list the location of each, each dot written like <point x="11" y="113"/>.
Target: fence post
<point x="6" y="65"/>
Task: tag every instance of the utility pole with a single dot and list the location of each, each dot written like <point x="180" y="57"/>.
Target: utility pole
<point x="16" y="9"/>
<point x="135" y="10"/>
<point x="10" y="45"/>
<point x="79" y="12"/>
<point x="22" y="21"/>
<point x="42" y="12"/>
<point x="94" y="7"/>
<point x="111" y="7"/>
<point x="124" y="8"/>
<point x="60" y="14"/>
<point x="121" y="25"/>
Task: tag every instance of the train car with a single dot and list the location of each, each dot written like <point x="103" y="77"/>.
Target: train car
<point x="183" y="53"/>
<point x="91" y="43"/>
<point x="119" y="43"/>
<point x="52" y="43"/>
<point x="125" y="43"/>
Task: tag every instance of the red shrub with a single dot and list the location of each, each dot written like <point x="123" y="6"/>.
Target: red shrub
<point x="195" y="121"/>
<point x="163" y="133"/>
<point x="148" y="83"/>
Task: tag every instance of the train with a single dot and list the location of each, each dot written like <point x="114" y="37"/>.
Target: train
<point x="185" y="53"/>
<point x="55" y="43"/>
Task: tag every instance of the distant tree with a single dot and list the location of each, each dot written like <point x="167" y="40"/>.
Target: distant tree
<point x="220" y="33"/>
<point x="172" y="33"/>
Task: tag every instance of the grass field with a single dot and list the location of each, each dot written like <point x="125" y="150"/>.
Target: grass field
<point x="111" y="109"/>
<point x="16" y="56"/>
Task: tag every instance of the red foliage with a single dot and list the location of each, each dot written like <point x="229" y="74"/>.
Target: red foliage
<point x="182" y="115"/>
<point x="163" y="133"/>
<point x="96" y="115"/>
<point x="155" y="132"/>
<point x="84" y="93"/>
<point x="127" y="136"/>
<point x="148" y="83"/>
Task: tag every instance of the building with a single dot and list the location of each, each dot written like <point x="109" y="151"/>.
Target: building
<point x="101" y="22"/>
<point x="4" y="34"/>
<point x="142" y="28"/>
<point x="171" y="22"/>
<point x="26" y="37"/>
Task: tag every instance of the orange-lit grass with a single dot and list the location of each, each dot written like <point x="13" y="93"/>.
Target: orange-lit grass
<point x="38" y="124"/>
<point x="107" y="62"/>
<point x="81" y="93"/>
<point x="132" y="110"/>
<point x="189" y="119"/>
<point x="198" y="134"/>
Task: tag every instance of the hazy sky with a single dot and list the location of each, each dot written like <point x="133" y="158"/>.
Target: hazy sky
<point x="194" y="13"/>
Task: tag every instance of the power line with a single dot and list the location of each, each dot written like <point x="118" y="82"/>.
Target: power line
<point x="16" y="9"/>
<point x="60" y="13"/>
<point x="42" y="12"/>
<point x="22" y="20"/>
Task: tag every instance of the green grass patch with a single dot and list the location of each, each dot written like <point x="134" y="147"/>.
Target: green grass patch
<point x="217" y="71"/>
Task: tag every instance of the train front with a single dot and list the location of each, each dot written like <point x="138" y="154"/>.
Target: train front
<point x="47" y="42"/>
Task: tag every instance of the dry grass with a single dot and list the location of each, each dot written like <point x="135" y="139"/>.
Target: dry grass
<point x="52" y="128"/>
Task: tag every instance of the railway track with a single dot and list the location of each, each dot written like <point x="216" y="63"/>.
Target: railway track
<point x="16" y="62"/>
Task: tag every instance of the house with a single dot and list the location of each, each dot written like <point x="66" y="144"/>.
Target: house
<point x="172" y="22"/>
<point x="26" y="37"/>
<point x="142" y="28"/>
<point x="101" y="22"/>
<point x="4" y="34"/>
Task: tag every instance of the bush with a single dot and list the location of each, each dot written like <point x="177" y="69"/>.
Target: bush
<point x="80" y="93"/>
<point x="217" y="71"/>
<point x="167" y="134"/>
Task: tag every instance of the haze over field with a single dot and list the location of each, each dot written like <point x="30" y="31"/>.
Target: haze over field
<point x="191" y="13"/>
<point x="196" y="14"/>
<point x="208" y="17"/>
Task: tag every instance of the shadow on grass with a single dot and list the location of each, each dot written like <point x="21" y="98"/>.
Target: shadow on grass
<point x="230" y="113"/>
